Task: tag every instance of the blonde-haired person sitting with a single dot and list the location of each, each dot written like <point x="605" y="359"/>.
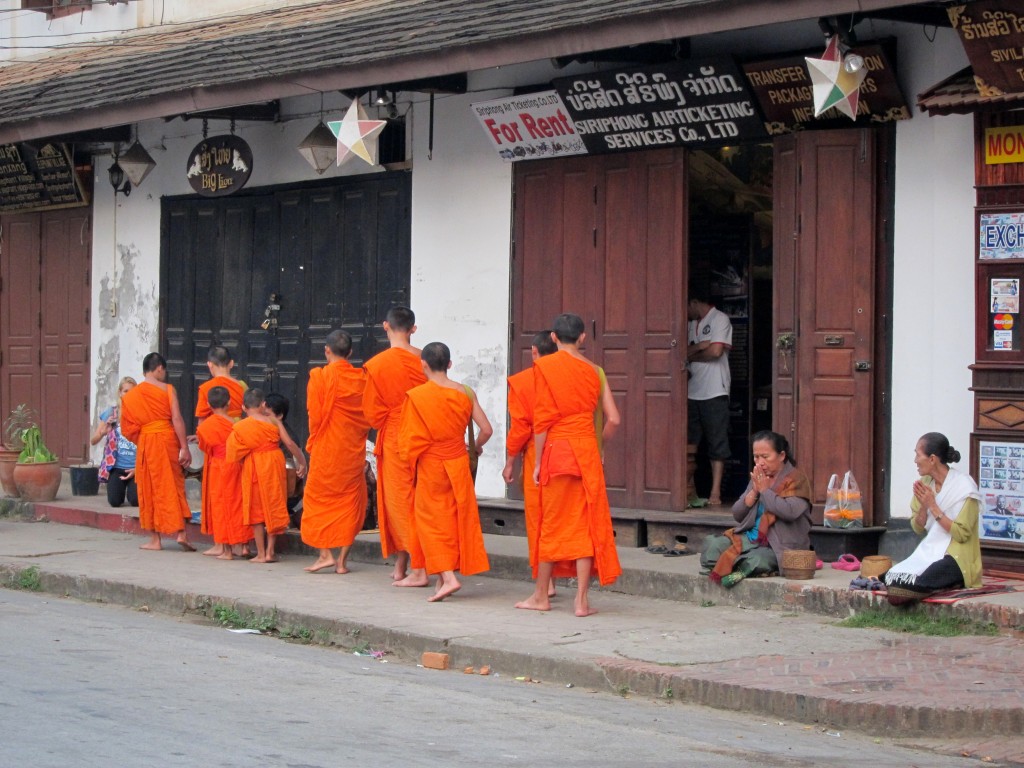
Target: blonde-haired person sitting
<point x="117" y="469"/>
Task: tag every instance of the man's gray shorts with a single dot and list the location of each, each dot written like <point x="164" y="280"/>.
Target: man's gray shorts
<point x="710" y="419"/>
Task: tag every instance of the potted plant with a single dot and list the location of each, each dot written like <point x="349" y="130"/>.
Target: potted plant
<point x="37" y="473"/>
<point x="18" y="420"/>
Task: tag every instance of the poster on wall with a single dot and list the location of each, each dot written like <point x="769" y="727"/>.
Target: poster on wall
<point x="529" y="127"/>
<point x="1001" y="482"/>
<point x="1001" y="236"/>
<point x="1004" y="311"/>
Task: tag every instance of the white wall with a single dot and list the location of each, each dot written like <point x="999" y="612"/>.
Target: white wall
<point x="933" y="278"/>
<point x="461" y="234"/>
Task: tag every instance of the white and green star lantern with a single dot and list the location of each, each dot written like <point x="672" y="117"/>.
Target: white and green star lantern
<point x="357" y="136"/>
<point x="832" y="85"/>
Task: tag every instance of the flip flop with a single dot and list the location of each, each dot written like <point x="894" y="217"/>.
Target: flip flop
<point x="657" y="550"/>
<point x="677" y="552"/>
<point x="847" y="563"/>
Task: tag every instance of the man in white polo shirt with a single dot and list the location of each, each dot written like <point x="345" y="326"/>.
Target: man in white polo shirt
<point x="709" y="338"/>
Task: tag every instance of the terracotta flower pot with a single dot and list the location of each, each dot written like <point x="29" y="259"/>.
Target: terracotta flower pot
<point x="37" y="481"/>
<point x="8" y="458"/>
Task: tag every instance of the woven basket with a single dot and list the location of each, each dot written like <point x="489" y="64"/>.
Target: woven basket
<point x="873" y="566"/>
<point x="798" y="563"/>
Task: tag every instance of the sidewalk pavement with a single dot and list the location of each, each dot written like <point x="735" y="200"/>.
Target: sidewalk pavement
<point x="662" y="631"/>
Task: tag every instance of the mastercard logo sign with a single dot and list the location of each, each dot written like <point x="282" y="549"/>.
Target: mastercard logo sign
<point x="1003" y="322"/>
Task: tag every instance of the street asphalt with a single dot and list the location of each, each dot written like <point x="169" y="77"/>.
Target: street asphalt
<point x="769" y="646"/>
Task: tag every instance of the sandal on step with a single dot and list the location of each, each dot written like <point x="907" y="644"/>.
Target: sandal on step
<point x="847" y="563"/>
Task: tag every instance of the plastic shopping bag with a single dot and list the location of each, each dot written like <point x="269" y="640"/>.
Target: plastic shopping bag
<point x="843" y="507"/>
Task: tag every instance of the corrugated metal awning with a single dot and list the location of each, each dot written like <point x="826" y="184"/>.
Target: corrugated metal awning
<point x="959" y="95"/>
<point x="311" y="47"/>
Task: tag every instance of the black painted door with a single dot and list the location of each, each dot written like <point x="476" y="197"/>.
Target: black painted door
<point x="335" y="255"/>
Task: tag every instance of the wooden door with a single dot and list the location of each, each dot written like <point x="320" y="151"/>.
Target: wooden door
<point x="604" y="237"/>
<point x="825" y="203"/>
<point x="335" y="255"/>
<point x="45" y="307"/>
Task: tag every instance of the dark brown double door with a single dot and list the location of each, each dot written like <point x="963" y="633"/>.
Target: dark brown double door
<point x="45" y="305"/>
<point x="335" y="255"/>
<point x="606" y="237"/>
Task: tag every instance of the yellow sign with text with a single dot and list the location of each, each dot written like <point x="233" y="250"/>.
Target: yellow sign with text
<point x="1004" y="145"/>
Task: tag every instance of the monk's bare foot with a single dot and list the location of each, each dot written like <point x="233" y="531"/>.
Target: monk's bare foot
<point x="226" y="555"/>
<point x="341" y="569"/>
<point x="215" y="551"/>
<point x="532" y="603"/>
<point x="151" y="546"/>
<point x="398" y="575"/>
<point x="583" y="609"/>
<point x="443" y="591"/>
<point x="412" y="580"/>
<point x="184" y="544"/>
<point x="241" y="550"/>
<point x="264" y="559"/>
<point x="320" y="565"/>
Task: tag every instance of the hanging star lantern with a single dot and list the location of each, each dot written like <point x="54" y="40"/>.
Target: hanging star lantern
<point x="357" y="136"/>
<point x="832" y="85"/>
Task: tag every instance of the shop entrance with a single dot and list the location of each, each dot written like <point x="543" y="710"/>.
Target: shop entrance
<point x="785" y="237"/>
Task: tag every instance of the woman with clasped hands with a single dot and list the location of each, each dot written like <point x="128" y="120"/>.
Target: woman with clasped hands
<point x="774" y="514"/>
<point x="945" y="510"/>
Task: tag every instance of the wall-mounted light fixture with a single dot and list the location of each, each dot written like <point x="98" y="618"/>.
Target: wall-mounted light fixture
<point x="118" y="180"/>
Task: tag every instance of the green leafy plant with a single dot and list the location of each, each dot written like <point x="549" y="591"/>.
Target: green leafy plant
<point x="29" y="579"/>
<point x="18" y="420"/>
<point x="34" y="451"/>
<point x="919" y="623"/>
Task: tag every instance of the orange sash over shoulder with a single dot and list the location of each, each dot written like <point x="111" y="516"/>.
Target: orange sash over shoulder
<point x="575" y="516"/>
<point x="335" y="496"/>
<point x="222" y="484"/>
<point x="433" y="442"/>
<point x="236" y="389"/>
<point x="389" y="375"/>
<point x="146" y="421"/>
<point x="264" y="477"/>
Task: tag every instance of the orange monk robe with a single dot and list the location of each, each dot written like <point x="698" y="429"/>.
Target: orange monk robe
<point x="146" y="421"/>
<point x="433" y="440"/>
<point x="334" y="500"/>
<point x="389" y="375"/>
<point x="236" y="389"/>
<point x="575" y="517"/>
<point x="222" y="484"/>
<point x="264" y="478"/>
<point x="521" y="400"/>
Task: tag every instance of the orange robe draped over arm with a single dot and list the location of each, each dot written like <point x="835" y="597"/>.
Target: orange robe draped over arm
<point x="575" y="516"/>
<point x="433" y="441"/>
<point x="146" y="421"/>
<point x="389" y="375"/>
<point x="334" y="501"/>
<point x="222" y="484"/>
<point x="236" y="389"/>
<point x="264" y="478"/>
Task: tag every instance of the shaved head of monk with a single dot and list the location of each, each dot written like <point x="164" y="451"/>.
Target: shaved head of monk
<point x="218" y="397"/>
<point x="340" y="343"/>
<point x="153" y="362"/>
<point x="544" y="343"/>
<point x="253" y="398"/>
<point x="568" y="328"/>
<point x="401" y="319"/>
<point x="219" y="355"/>
<point x="437" y="356"/>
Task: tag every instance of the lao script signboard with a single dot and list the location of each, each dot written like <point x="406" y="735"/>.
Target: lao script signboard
<point x="683" y="103"/>
<point x="33" y="179"/>
<point x="992" y="32"/>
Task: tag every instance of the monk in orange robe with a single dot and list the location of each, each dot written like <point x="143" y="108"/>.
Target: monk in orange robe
<point x="576" y="521"/>
<point x="151" y="418"/>
<point x="432" y="438"/>
<point x="334" y="502"/>
<point x="255" y="442"/>
<point x="220" y="363"/>
<point x="389" y="375"/>
<point x="222" y="480"/>
<point x="519" y="442"/>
